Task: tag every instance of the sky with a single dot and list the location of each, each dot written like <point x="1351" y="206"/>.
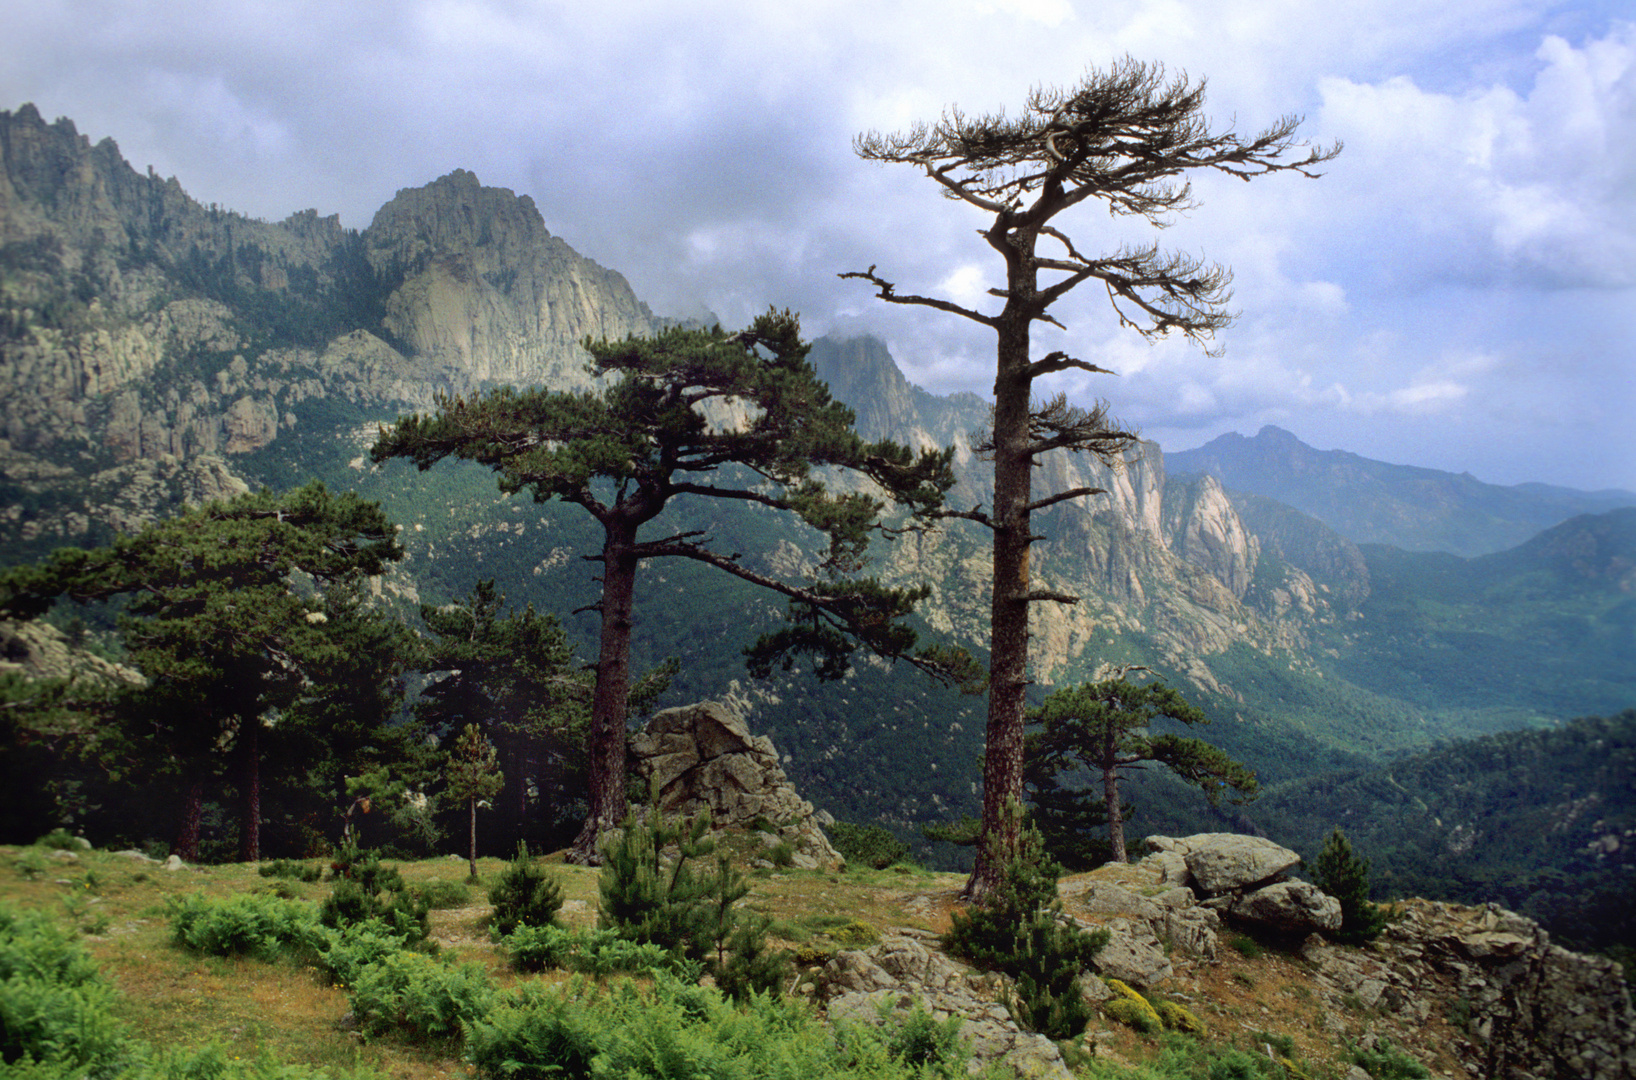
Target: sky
<point x="1457" y="291"/>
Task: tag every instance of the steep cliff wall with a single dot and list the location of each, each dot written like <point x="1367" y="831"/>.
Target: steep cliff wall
<point x="137" y="325"/>
<point x="1161" y="566"/>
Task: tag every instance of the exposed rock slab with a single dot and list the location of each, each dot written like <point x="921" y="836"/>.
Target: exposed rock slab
<point x="900" y="972"/>
<point x="1221" y="863"/>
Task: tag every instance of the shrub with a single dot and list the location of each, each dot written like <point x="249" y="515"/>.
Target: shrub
<point x="344" y="953"/>
<point x="750" y="968"/>
<point x="1239" y="1065"/>
<point x="926" y="1045"/>
<point x="60" y="839"/>
<point x="1018" y="929"/>
<point x="1245" y="946"/>
<point x="256" y="925"/>
<point x="1178" y="1018"/>
<point x="366" y="889"/>
<point x="1341" y="873"/>
<point x="438" y="895"/>
<point x="291" y="868"/>
<point x="782" y="854"/>
<point x="55" y="1009"/>
<point x="869" y="845"/>
<point x="689" y="915"/>
<point x="1387" y="1062"/>
<point x="676" y="1030"/>
<point x="1130" y="1008"/>
<point x="854" y="935"/>
<point x="536" y="1033"/>
<point x="419" y="996"/>
<point x="524" y="895"/>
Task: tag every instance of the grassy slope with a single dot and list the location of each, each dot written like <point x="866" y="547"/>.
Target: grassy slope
<point x="175" y="999"/>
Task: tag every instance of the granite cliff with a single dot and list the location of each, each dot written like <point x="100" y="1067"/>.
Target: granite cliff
<point x="139" y="326"/>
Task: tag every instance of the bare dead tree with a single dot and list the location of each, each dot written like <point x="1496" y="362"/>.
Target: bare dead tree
<point x="1127" y="137"/>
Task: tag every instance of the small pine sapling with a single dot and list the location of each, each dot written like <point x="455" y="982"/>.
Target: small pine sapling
<point x="525" y="895"/>
<point x="1018" y="929"/>
<point x="474" y="778"/>
<point x="1343" y="874"/>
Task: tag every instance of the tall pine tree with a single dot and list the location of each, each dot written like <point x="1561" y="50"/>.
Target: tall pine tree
<point x="695" y="414"/>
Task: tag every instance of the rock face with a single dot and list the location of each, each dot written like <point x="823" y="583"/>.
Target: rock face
<point x="138" y="325"/>
<point x="488" y="291"/>
<point x="702" y="758"/>
<point x="1243" y="876"/>
<point x="1521" y="1008"/>
<point x="900" y="972"/>
<point x="1179" y="894"/>
<point x="1529" y="1010"/>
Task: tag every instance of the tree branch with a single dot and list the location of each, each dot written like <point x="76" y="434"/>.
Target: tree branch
<point x="1063" y="496"/>
<point x="888" y="293"/>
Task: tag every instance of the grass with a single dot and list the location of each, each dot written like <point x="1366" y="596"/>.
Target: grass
<point x="183" y="1001"/>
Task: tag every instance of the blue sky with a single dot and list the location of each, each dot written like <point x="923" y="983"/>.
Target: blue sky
<point x="1458" y="291"/>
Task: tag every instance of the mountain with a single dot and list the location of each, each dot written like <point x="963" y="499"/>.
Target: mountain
<point x="1371" y="502"/>
<point x="156" y="351"/>
<point x="146" y="338"/>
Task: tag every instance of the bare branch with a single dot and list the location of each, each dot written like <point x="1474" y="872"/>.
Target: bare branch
<point x="888" y="294"/>
<point x="1061" y="361"/>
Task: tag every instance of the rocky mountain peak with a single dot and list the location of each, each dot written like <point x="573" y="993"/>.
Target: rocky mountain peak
<point x="479" y="284"/>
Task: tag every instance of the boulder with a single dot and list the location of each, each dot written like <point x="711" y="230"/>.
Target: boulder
<point x="1132" y="955"/>
<point x="900" y="973"/>
<point x="703" y="758"/>
<point x="1291" y="907"/>
<point x="1222" y="863"/>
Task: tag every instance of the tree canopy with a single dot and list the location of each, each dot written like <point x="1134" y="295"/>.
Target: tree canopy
<point x="698" y="414"/>
<point x="1127" y="138"/>
<point x="237" y="613"/>
<point x="1105" y="726"/>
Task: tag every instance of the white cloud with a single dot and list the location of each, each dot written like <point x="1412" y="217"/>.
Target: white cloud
<point x="1490" y="183"/>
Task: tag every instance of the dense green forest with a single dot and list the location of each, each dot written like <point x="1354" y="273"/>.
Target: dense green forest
<point x="1542" y="822"/>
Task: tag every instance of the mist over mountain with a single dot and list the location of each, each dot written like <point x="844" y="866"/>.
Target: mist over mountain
<point x="155" y="352"/>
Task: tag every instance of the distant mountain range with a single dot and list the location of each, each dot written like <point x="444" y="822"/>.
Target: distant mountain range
<point x="154" y="351"/>
<point x="1371" y="502"/>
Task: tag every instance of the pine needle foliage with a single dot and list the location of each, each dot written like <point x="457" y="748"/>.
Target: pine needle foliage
<point x="1343" y="874"/>
<point x="692" y="414"/>
<point x="648" y="895"/>
<point x="525" y="895"/>
<point x="1018" y="929"/>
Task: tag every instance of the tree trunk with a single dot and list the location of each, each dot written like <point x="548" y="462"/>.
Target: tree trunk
<point x="608" y="704"/>
<point x="1116" y="817"/>
<point x="1008" y="646"/>
<point x="473" y="847"/>
<point x="250" y="815"/>
<point x="187" y="837"/>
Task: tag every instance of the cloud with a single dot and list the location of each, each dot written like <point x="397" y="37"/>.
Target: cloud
<point x="1483" y="206"/>
<point x="1489" y="184"/>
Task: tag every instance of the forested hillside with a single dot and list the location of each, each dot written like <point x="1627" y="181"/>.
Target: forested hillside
<point x="1543" y="822"/>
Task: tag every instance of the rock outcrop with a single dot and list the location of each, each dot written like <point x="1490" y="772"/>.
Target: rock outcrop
<point x="702" y="758"/>
<point x="901" y="972"/>
<point x="1525" y="1009"/>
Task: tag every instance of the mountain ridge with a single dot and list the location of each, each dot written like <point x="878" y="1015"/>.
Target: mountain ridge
<point x="1408" y="506"/>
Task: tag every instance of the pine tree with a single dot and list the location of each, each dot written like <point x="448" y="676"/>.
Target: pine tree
<point x="1105" y="726"/>
<point x="216" y="623"/>
<point x="474" y="777"/>
<point x="1126" y="138"/>
<point x="658" y="431"/>
<point x="1343" y="874"/>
